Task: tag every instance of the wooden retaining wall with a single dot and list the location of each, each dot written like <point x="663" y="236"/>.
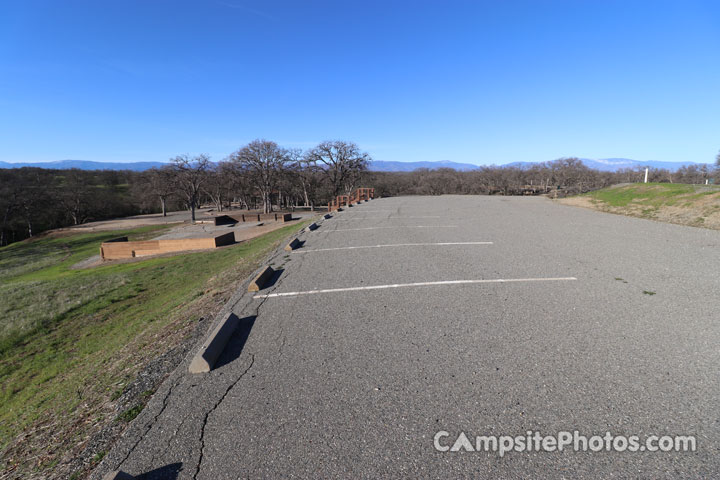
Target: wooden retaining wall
<point x="119" y="249"/>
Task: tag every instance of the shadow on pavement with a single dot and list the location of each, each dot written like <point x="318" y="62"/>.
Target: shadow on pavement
<point x="235" y="345"/>
<point x="273" y="280"/>
<point x="168" y="472"/>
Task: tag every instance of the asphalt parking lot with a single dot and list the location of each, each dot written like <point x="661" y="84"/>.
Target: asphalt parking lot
<point x="400" y="318"/>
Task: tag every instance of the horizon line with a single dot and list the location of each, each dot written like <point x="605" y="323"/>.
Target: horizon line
<point x="394" y="161"/>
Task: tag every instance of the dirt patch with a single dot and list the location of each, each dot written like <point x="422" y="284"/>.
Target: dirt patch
<point x="93" y="261"/>
<point x="128" y="223"/>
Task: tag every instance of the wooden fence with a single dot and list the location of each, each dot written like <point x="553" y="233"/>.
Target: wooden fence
<point x="359" y="195"/>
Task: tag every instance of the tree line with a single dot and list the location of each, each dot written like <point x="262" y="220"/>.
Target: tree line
<point x="260" y="175"/>
<point x="566" y="176"/>
<point x="263" y="175"/>
<point x="33" y="200"/>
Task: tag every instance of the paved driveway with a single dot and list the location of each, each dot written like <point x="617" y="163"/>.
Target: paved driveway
<point x="404" y="317"/>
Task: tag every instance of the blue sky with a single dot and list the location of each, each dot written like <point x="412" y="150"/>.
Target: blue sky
<point x="477" y="82"/>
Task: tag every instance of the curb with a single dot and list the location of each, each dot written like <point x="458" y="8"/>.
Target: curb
<point x="239" y="301"/>
<point x="292" y="245"/>
<point x="262" y="278"/>
<point x="210" y="351"/>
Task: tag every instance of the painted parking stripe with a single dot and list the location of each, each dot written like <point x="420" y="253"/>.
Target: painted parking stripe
<point x="376" y="211"/>
<point x="420" y="284"/>
<point x="397" y="218"/>
<point x="392" y="245"/>
<point x="381" y="228"/>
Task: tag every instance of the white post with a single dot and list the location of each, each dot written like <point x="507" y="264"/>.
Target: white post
<point x="706" y="181"/>
<point x="646" y="174"/>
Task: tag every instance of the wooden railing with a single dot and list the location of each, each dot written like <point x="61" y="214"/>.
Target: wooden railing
<point x="359" y="195"/>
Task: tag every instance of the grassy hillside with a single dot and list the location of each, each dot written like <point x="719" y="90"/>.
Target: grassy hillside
<point x="71" y="340"/>
<point x="696" y="205"/>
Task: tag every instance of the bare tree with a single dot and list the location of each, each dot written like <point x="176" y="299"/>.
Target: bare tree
<point x="31" y="199"/>
<point x="692" y="174"/>
<point x="342" y="162"/>
<point x="305" y="174"/>
<point x="220" y="184"/>
<point x="189" y="175"/>
<point x="263" y="161"/>
<point x="74" y="196"/>
<point x="161" y="183"/>
<point x="239" y="186"/>
<point x="8" y="202"/>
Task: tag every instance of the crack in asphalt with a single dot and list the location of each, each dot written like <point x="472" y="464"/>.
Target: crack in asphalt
<point x="257" y="309"/>
<point x="207" y="415"/>
<point x="282" y="338"/>
<point x="170" y="439"/>
<point x="149" y="425"/>
<point x="152" y="423"/>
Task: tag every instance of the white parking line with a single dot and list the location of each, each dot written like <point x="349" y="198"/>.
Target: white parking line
<point x="392" y="245"/>
<point x="421" y="284"/>
<point x="379" y="228"/>
<point x="398" y="218"/>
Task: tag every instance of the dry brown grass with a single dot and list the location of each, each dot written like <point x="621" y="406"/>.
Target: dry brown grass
<point x="697" y="206"/>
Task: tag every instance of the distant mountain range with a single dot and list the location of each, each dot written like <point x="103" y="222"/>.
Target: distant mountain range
<point x="385" y="166"/>
<point x="604" y="164"/>
<point x="615" y="164"/>
<point x="86" y="165"/>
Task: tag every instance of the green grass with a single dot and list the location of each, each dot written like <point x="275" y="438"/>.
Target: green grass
<point x="130" y="414"/>
<point x="42" y="288"/>
<point x="71" y="339"/>
<point x="652" y="195"/>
